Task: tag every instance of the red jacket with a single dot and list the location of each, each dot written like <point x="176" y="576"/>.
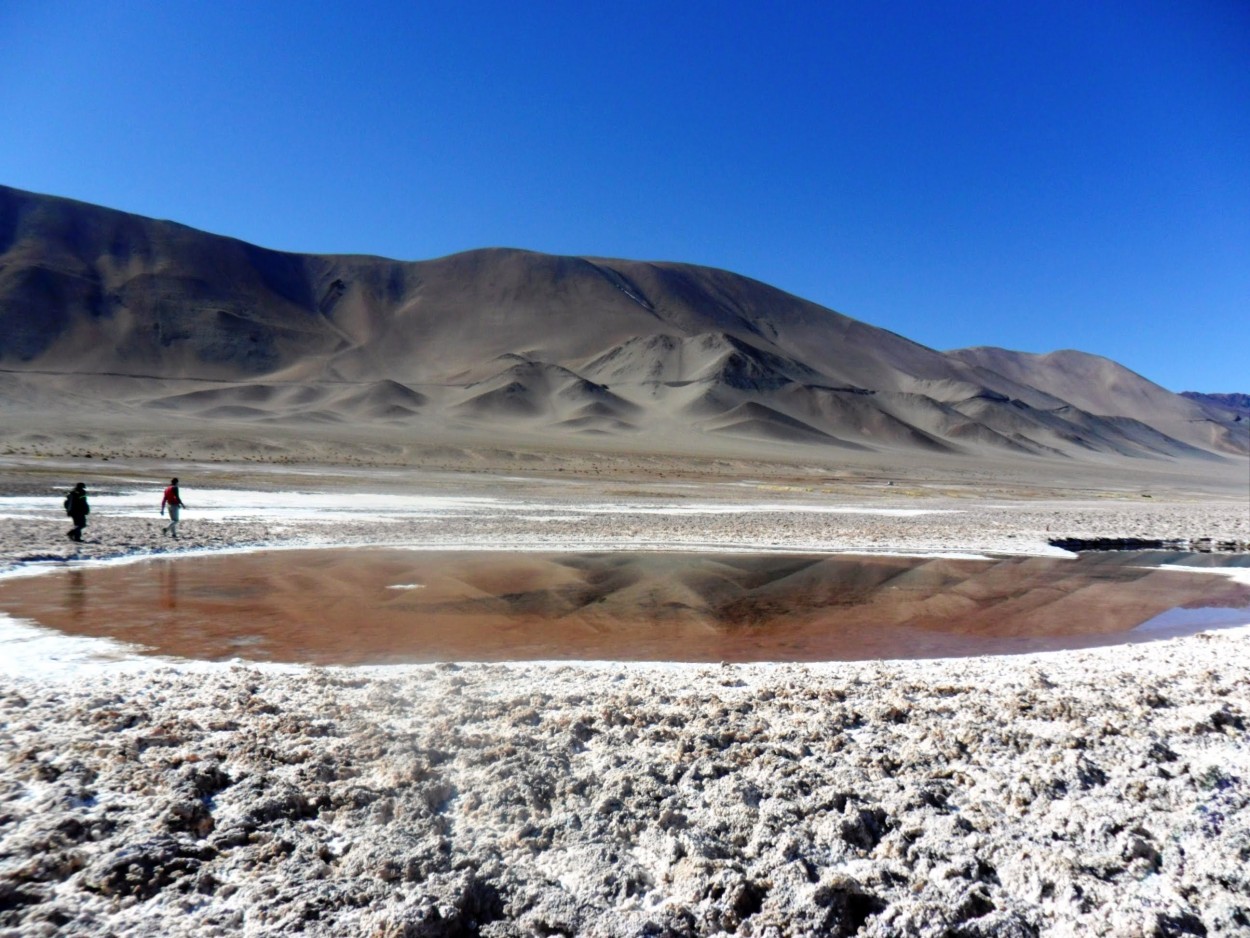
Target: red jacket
<point x="171" y="496"/>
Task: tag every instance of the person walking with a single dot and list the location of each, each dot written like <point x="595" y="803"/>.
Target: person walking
<point x="173" y="502"/>
<point x="77" y="508"/>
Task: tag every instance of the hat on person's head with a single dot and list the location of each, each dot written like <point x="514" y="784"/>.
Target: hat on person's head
<point x="81" y="485"/>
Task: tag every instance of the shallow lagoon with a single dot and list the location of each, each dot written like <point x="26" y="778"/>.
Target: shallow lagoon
<point x="375" y="605"/>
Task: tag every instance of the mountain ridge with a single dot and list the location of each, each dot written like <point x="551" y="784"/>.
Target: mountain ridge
<point x="1238" y="403"/>
<point x="506" y="341"/>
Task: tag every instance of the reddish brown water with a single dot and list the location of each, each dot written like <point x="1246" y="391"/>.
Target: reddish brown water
<point x="376" y="605"/>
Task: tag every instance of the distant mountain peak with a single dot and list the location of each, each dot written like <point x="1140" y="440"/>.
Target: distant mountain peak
<point x="1236" y="402"/>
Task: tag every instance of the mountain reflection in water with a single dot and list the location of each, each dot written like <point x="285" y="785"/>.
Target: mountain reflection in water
<point x="356" y="606"/>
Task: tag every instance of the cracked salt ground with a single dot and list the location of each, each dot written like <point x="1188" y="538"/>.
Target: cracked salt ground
<point x="887" y="799"/>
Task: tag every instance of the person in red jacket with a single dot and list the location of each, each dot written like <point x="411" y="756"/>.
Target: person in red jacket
<point x="173" y="502"/>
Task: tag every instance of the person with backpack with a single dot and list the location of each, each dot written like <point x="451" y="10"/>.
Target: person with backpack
<point x="173" y="502"/>
<point x="77" y="508"/>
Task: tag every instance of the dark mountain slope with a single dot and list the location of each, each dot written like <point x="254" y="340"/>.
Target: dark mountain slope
<point x="1238" y="403"/>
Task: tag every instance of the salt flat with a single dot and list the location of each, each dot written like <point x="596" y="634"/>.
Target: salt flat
<point x="1093" y="792"/>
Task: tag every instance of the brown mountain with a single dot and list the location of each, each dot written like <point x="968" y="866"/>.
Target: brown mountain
<point x="105" y="311"/>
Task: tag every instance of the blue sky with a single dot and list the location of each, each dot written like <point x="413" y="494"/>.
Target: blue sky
<point x="1034" y="176"/>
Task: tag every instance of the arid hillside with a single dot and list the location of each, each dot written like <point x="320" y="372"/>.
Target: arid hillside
<point x="102" y="311"/>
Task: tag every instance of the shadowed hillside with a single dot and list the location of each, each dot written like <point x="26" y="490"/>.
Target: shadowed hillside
<point x="99" y="308"/>
<point x="1238" y="403"/>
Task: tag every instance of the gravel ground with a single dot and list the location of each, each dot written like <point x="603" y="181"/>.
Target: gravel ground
<point x="1098" y="792"/>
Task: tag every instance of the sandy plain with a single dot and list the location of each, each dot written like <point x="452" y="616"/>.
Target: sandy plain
<point x="1092" y="792"/>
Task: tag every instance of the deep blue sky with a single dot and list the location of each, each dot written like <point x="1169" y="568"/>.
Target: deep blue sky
<point x="1029" y="175"/>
